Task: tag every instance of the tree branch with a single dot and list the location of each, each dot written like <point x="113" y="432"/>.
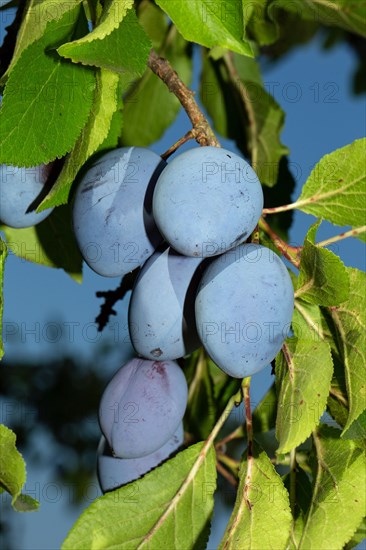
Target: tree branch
<point x="202" y="130"/>
<point x="111" y="297"/>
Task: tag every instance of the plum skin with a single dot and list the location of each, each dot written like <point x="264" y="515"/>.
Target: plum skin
<point x="206" y="201"/>
<point x="142" y="406"/>
<point x="244" y="307"/>
<point x="115" y="472"/>
<point x="161" y="312"/>
<point x="21" y="191"/>
<point x="112" y="216"/>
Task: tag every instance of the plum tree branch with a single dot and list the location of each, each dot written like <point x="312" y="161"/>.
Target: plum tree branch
<point x="113" y="296"/>
<point x="201" y="131"/>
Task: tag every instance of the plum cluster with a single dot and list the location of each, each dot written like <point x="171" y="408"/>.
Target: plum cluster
<point x="186" y="225"/>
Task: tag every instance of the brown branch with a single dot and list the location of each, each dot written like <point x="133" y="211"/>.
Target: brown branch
<point x="203" y="132"/>
<point x="189" y="135"/>
<point x="111" y="297"/>
<point x="292" y="253"/>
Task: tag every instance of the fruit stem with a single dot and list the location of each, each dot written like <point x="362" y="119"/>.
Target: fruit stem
<point x="204" y="135"/>
<point x="292" y="253"/>
<point x="189" y="135"/>
<point x="248" y="413"/>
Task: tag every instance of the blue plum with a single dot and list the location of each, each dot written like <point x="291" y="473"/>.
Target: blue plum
<point x="112" y="213"/>
<point x="244" y="308"/>
<point x="206" y="201"/>
<point x="142" y="407"/>
<point x="161" y="313"/>
<point x="114" y="472"/>
<point x="21" y="191"/>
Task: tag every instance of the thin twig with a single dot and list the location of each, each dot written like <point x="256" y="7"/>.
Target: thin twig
<point x="293" y="480"/>
<point x="238" y="433"/>
<point x="113" y="296"/>
<point x="249" y="425"/>
<point x="204" y="134"/>
<point x="292" y="253"/>
<point x="189" y="135"/>
<point x="227" y="475"/>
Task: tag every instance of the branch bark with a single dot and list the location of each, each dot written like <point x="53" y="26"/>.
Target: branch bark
<point x="202" y="131"/>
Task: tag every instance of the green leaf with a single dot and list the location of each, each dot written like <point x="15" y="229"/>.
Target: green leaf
<point x="350" y="326"/>
<point x="261" y="517"/>
<point x="3" y="255"/>
<point x="149" y="107"/>
<point x="50" y="243"/>
<point x="347" y="15"/>
<point x="12" y="471"/>
<point x="48" y="111"/>
<point x="304" y="371"/>
<point x="92" y="136"/>
<point x="124" y="50"/>
<point x="302" y="499"/>
<point x="210" y="23"/>
<point x="339" y="485"/>
<point x="36" y="16"/>
<point x="169" y="507"/>
<point x="323" y="278"/>
<point x="232" y="91"/>
<point x="201" y="413"/>
<point x="260" y="25"/>
<point x="358" y="537"/>
<point x="113" y="13"/>
<point x="335" y="189"/>
<point x="153" y="21"/>
<point x="25" y="503"/>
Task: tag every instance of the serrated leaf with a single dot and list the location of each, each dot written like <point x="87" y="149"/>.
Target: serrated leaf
<point x="350" y="326"/>
<point x="169" y="507"/>
<point x="124" y="50"/>
<point x="201" y="413"/>
<point x="92" y="136"/>
<point x="113" y="13"/>
<point x="3" y="255"/>
<point x="210" y="23"/>
<point x="36" y="16"/>
<point x="335" y="189"/>
<point x="149" y="107"/>
<point x="323" y="278"/>
<point x="12" y="472"/>
<point x="48" y="111"/>
<point x="261" y="517"/>
<point x="50" y="243"/>
<point x="358" y="537"/>
<point x="339" y="484"/>
<point x="303" y="374"/>
<point x="346" y="14"/>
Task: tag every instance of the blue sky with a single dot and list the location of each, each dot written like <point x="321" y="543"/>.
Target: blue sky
<point x="313" y="87"/>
